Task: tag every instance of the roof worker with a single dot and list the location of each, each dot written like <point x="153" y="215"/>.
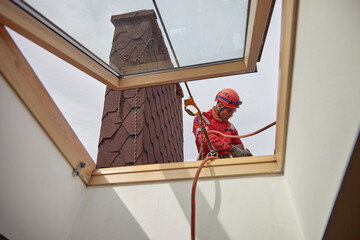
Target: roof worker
<point x="217" y="118"/>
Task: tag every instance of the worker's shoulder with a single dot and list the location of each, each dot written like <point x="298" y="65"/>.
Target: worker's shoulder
<point x="207" y="115"/>
<point x="231" y="126"/>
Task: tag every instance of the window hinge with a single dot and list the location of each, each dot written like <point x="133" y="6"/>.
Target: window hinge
<point x="76" y="172"/>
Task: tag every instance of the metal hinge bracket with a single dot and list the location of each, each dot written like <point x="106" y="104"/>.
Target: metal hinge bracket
<point x="76" y="172"/>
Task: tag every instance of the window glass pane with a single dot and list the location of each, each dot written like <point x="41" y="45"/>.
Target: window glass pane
<point x="200" y="32"/>
<point x="258" y="92"/>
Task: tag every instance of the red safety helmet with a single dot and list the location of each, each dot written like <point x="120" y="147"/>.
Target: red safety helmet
<point x="229" y="98"/>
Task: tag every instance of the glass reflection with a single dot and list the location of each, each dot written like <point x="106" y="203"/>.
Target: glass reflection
<point x="200" y="31"/>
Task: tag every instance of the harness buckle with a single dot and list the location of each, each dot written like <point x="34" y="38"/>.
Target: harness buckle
<point x="213" y="153"/>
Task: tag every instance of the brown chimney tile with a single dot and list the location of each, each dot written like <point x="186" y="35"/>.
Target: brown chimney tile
<point x="147" y="111"/>
<point x="148" y="146"/>
<point x="157" y="125"/>
<point x="118" y="161"/>
<point x="130" y="93"/>
<point x="107" y="90"/>
<point x="140" y="30"/>
<point x="106" y="156"/>
<point x="109" y="130"/>
<point x="140" y="98"/>
<point x="162" y="122"/>
<point x="122" y="39"/>
<point x="129" y="121"/>
<point x="138" y="45"/>
<point x="127" y="150"/>
<point x="118" y="139"/>
<point x="125" y="109"/>
<point x="111" y="100"/>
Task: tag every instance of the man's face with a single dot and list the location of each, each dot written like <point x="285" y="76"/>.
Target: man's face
<point x="227" y="113"/>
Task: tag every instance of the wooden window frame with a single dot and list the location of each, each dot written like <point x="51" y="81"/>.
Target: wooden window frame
<point x="18" y="73"/>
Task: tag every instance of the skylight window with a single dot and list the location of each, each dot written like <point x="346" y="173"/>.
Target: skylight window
<point x="258" y="17"/>
<point x="200" y="32"/>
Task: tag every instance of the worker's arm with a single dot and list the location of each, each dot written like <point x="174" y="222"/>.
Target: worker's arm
<point x="222" y="147"/>
<point x="237" y="144"/>
<point x="237" y="141"/>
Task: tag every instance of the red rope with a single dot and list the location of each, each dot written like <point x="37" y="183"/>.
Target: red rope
<point x="246" y="135"/>
<point x="193" y="191"/>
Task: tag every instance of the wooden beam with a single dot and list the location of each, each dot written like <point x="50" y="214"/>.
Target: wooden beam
<point x="249" y="30"/>
<point x="214" y="169"/>
<point x="181" y="165"/>
<point x="181" y="75"/>
<point x="18" y="73"/>
<point x="288" y="29"/>
<point x="23" y="23"/>
<point x="259" y="18"/>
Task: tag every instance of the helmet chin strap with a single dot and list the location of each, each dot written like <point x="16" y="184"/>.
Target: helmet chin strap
<point x="217" y="110"/>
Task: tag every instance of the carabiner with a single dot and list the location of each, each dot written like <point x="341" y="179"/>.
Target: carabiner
<point x="190" y="101"/>
<point x="213" y="153"/>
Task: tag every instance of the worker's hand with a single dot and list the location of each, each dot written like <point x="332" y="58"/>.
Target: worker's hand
<point x="237" y="152"/>
<point x="239" y="146"/>
<point x="248" y="152"/>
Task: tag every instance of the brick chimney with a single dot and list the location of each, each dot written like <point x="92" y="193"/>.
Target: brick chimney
<point x="144" y="125"/>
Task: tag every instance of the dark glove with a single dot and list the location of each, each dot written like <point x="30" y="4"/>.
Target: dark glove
<point x="239" y="146"/>
<point x="248" y="152"/>
<point x="237" y="152"/>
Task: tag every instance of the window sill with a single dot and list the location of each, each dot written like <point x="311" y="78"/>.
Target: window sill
<point x="185" y="170"/>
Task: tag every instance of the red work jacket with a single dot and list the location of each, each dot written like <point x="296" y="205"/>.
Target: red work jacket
<point x="221" y="143"/>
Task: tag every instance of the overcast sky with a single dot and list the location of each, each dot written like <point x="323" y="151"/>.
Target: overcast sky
<point x="82" y="106"/>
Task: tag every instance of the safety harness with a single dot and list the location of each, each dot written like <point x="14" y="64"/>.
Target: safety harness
<point x="190" y="102"/>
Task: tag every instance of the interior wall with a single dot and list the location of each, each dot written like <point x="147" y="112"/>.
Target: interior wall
<point x="324" y="111"/>
<point x="39" y="196"/>
<point x="41" y="200"/>
<point x="256" y="207"/>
